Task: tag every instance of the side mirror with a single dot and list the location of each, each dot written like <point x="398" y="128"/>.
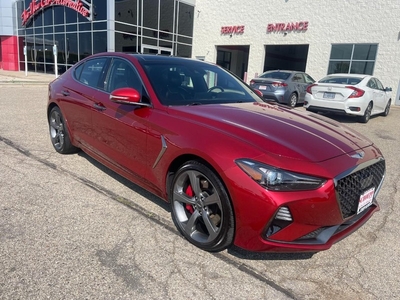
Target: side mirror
<point x="127" y="96"/>
<point x="388" y="89"/>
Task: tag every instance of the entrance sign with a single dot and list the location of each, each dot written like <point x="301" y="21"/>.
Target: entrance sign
<point x="292" y="26"/>
<point x="81" y="6"/>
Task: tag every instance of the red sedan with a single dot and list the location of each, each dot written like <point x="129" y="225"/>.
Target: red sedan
<point x="235" y="169"/>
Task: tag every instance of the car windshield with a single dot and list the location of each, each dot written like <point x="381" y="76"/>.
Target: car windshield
<point x="341" y="80"/>
<point x="195" y="83"/>
<point x="276" y="75"/>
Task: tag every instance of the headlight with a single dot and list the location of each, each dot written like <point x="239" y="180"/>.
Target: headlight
<point x="278" y="180"/>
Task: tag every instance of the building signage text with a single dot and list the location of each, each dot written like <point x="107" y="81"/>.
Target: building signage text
<point x="292" y="26"/>
<point x="37" y="6"/>
<point x="232" y="29"/>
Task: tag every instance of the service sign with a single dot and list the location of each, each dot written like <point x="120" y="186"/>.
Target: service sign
<point x="239" y="29"/>
<point x="37" y="6"/>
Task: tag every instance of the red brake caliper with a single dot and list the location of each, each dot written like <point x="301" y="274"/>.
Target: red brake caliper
<point x="189" y="192"/>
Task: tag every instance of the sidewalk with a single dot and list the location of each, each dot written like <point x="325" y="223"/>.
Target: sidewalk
<point x="19" y="77"/>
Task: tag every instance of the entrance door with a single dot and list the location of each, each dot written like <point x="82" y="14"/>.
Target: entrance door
<point x="286" y="57"/>
<point x="148" y="49"/>
<point x="234" y="59"/>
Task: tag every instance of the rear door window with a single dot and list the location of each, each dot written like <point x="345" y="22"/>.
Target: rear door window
<point x="91" y="71"/>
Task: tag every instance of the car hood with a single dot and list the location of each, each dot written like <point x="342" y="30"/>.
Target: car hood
<point x="273" y="128"/>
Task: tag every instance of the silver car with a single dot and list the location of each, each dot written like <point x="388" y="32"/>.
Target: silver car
<point x="287" y="87"/>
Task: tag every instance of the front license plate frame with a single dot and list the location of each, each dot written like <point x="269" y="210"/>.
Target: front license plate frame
<point x="365" y="200"/>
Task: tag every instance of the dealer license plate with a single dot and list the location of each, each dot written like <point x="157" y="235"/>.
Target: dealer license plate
<point x="365" y="200"/>
<point x="329" y="95"/>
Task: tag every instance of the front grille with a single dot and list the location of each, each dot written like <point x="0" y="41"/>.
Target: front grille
<point x="350" y="188"/>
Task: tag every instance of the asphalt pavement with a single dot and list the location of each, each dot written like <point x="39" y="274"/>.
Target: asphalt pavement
<point x="72" y="229"/>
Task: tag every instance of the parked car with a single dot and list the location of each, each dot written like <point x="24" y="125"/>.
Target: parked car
<point x="286" y="87"/>
<point x="350" y="94"/>
<point x="235" y="169"/>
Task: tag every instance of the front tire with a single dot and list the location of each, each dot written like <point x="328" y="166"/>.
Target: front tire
<point x="367" y="114"/>
<point x="59" y="133"/>
<point x="201" y="208"/>
<point x="387" y="108"/>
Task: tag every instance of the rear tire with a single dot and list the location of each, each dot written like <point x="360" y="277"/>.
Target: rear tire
<point x="293" y="100"/>
<point x="201" y="208"/>
<point x="59" y="134"/>
<point x="367" y="114"/>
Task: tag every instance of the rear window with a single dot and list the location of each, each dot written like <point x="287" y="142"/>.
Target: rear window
<point x="275" y="75"/>
<point x="341" y="80"/>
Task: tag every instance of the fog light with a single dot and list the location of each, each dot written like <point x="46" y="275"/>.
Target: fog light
<point x="282" y="219"/>
<point x="354" y="108"/>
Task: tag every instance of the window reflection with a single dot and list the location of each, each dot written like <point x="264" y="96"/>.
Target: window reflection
<point x="151" y="26"/>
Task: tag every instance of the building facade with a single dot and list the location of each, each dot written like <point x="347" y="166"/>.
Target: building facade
<point x="246" y="37"/>
<point x="65" y="31"/>
<point x="319" y="37"/>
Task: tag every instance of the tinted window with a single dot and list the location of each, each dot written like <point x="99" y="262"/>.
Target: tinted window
<point x="92" y="71"/>
<point x="298" y="78"/>
<point x="276" y="75"/>
<point x="341" y="80"/>
<point x="372" y="84"/>
<point x="379" y="84"/>
<point x="194" y="83"/>
<point x="309" y="79"/>
<point x="352" y="58"/>
<point x="122" y="74"/>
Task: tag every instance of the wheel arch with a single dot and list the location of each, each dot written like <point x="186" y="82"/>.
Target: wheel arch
<point x="179" y="161"/>
<point x="50" y="106"/>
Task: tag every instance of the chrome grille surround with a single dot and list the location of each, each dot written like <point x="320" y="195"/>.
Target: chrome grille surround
<point x="350" y="185"/>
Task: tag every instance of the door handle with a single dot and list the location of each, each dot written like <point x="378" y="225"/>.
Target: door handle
<point x="65" y="93"/>
<point x="99" y="106"/>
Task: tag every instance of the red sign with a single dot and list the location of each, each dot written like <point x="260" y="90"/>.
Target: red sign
<point x="232" y="29"/>
<point x="297" y="26"/>
<point x="38" y="5"/>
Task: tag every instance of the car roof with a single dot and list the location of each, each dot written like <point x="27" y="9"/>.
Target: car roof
<point x="150" y="57"/>
<point x="286" y="71"/>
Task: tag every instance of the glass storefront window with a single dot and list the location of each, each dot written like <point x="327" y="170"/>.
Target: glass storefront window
<point x="72" y="48"/>
<point x="185" y="20"/>
<point x="127" y="11"/>
<point x="167" y="19"/>
<point x="85" y="44"/>
<point x="352" y="58"/>
<point x="99" y="10"/>
<point x="150" y="13"/>
<point x="99" y="41"/>
<point x="163" y="26"/>
<point x="48" y="17"/>
<point x="59" y="15"/>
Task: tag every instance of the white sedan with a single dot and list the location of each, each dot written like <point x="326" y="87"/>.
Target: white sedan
<point x="351" y="94"/>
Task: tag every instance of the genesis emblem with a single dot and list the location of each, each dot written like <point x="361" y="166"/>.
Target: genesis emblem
<point x="358" y="155"/>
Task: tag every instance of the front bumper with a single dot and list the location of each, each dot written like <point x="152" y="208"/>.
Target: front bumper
<point x="320" y="217"/>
